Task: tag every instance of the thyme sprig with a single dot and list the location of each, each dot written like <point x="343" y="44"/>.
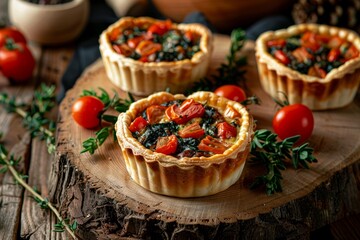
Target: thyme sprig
<point x="273" y="154"/>
<point x="118" y="104"/>
<point x="9" y="163"/>
<point x="230" y="72"/>
<point x="33" y="114"/>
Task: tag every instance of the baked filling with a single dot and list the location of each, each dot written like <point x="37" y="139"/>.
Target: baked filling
<point x="186" y="128"/>
<point x="157" y="41"/>
<point x="314" y="54"/>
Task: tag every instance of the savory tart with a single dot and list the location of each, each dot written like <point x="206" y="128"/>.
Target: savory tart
<point x="185" y="147"/>
<point x="145" y="55"/>
<point x="316" y="65"/>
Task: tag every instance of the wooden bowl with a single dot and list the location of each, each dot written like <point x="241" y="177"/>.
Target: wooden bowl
<point x="224" y="15"/>
<point x="49" y="24"/>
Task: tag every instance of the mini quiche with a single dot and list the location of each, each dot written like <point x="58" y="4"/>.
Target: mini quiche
<point x="145" y="55"/>
<point x="185" y="147"/>
<point x="316" y="65"/>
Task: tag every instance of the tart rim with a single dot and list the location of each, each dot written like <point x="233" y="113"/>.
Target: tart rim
<point x="241" y="143"/>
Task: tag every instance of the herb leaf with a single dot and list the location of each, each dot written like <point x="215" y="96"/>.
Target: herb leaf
<point x="273" y="154"/>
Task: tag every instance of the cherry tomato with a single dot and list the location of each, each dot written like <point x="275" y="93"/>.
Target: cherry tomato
<point x="225" y="130"/>
<point x="16" y="62"/>
<point x="210" y="144"/>
<point x="295" y="119"/>
<point x="11" y="32"/>
<point x="155" y="113"/>
<point x="188" y="110"/>
<point x="231" y="92"/>
<point x="138" y="124"/>
<point x="167" y="145"/>
<point x="193" y="130"/>
<point x="281" y="56"/>
<point x="86" y="111"/>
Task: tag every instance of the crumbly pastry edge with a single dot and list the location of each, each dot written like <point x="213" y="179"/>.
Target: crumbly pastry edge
<point x="200" y="176"/>
<point x="339" y="87"/>
<point x="144" y="79"/>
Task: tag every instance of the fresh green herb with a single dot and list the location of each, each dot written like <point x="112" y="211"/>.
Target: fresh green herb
<point x="9" y="163"/>
<point x="273" y="154"/>
<point x="120" y="105"/>
<point x="33" y="114"/>
<point x="229" y="73"/>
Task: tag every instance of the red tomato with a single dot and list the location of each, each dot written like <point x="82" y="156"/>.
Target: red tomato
<point x="210" y="144"/>
<point x="295" y="119"/>
<point x="189" y="36"/>
<point x="352" y="52"/>
<point x="123" y="49"/>
<point x="225" y="130"/>
<point x="188" y="110"/>
<point x="333" y="55"/>
<point x="231" y="92"/>
<point x="155" y="113"/>
<point x="276" y="43"/>
<point x="167" y="145"/>
<point x="316" y="71"/>
<point x="147" y="47"/>
<point x="160" y="27"/>
<point x="138" y="124"/>
<point x="310" y="40"/>
<point x="281" y="56"/>
<point x="86" y="111"/>
<point x="11" y="32"/>
<point x="193" y="130"/>
<point x="133" y="42"/>
<point x="16" y="62"/>
<point x="302" y="55"/>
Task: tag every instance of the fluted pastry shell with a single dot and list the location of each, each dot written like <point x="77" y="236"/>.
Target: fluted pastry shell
<point x="336" y="90"/>
<point x="184" y="177"/>
<point x="145" y="78"/>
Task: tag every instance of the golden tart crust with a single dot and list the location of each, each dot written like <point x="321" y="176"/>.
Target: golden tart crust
<point x="184" y="177"/>
<point x="336" y="90"/>
<point x="145" y="78"/>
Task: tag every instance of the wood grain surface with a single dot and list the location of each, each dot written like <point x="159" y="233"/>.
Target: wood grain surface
<point x="304" y="199"/>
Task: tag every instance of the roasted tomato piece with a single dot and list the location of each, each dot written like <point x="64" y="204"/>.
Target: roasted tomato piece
<point x="230" y="112"/>
<point x="335" y="42"/>
<point x="147" y="47"/>
<point x="138" y="124"/>
<point x="333" y="55"/>
<point x="352" y="52"/>
<point x="134" y="42"/>
<point x="282" y="57"/>
<point x="160" y="27"/>
<point x="276" y="43"/>
<point x="210" y="144"/>
<point x="302" y="55"/>
<point x="155" y="113"/>
<point x="226" y="130"/>
<point x="166" y="145"/>
<point x="193" y="130"/>
<point x="188" y="110"/>
<point x="123" y="49"/>
<point x="316" y="71"/>
<point x="309" y="40"/>
<point x="189" y="35"/>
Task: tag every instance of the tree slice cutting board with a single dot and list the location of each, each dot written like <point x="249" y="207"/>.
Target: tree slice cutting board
<point x="97" y="192"/>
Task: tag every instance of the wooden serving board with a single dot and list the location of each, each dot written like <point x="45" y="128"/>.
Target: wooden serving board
<point x="98" y="193"/>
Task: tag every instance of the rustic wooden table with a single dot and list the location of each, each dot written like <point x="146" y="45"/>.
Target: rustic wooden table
<point x="20" y="215"/>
